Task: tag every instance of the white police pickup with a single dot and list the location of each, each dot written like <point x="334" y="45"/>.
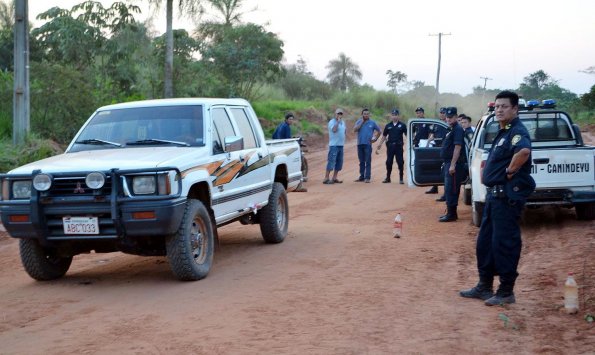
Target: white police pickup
<point x="151" y="178"/>
<point x="562" y="165"/>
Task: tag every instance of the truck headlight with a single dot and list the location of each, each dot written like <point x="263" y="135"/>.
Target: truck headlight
<point x="42" y="182"/>
<point x="95" y="180"/>
<point x="144" y="185"/>
<point x="21" y="189"/>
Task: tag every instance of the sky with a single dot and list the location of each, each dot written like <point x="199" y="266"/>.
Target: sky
<point x="501" y="40"/>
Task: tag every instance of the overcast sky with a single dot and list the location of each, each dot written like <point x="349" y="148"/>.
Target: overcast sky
<point x="502" y="40"/>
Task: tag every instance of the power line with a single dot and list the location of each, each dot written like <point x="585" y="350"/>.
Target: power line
<point x="440" y="34"/>
<point x="485" y="81"/>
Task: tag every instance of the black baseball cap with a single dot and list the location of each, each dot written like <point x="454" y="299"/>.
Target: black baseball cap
<point x="419" y="109"/>
<point x="442" y="109"/>
<point x="395" y="111"/>
<point x="451" y="112"/>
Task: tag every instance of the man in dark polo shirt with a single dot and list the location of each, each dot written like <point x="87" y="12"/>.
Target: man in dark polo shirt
<point x="454" y="164"/>
<point x="507" y="176"/>
<point x="393" y="135"/>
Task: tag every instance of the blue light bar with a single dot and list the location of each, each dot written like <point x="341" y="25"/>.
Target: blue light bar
<point x="532" y="103"/>
<point x="550" y="103"/>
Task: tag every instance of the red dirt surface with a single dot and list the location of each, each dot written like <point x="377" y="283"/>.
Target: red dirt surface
<point x="339" y="284"/>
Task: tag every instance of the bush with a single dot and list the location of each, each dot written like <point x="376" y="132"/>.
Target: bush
<point x="32" y="149"/>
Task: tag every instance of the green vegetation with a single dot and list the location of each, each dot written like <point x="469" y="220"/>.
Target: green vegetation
<point x="89" y="56"/>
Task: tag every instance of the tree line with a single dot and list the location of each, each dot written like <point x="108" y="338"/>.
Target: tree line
<point x="91" y="55"/>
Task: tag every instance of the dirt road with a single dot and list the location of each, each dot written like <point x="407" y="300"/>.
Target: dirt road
<point x="339" y="284"/>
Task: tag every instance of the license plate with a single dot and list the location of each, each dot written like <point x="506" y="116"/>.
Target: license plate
<point x="80" y="225"/>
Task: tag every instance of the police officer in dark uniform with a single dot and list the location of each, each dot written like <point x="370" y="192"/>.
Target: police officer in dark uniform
<point x="507" y="176"/>
<point x="393" y="135"/>
<point x="454" y="164"/>
<point x="423" y="130"/>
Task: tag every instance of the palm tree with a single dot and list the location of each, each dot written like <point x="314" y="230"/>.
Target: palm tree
<point x="6" y="15"/>
<point x="343" y="73"/>
<point x="191" y="8"/>
<point x="229" y="9"/>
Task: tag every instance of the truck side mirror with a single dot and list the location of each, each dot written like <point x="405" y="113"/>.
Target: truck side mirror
<point x="233" y="143"/>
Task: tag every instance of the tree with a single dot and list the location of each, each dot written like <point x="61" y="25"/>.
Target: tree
<point x="394" y="79"/>
<point x="588" y="99"/>
<point x="589" y="70"/>
<point x="229" y="9"/>
<point x="343" y="73"/>
<point x="192" y="8"/>
<point x="243" y="57"/>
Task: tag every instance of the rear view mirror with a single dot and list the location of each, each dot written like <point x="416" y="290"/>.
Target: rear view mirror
<point x="233" y="143"/>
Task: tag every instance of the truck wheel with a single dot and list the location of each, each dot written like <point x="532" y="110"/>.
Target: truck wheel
<point x="304" y="168"/>
<point x="477" y="213"/>
<point x="274" y="217"/>
<point x="40" y="263"/>
<point x="467" y="197"/>
<point x="190" y="249"/>
<point x="585" y="211"/>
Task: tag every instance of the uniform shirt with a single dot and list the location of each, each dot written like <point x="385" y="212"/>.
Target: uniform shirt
<point x="423" y="132"/>
<point x="366" y="131"/>
<point x="508" y="141"/>
<point x="439" y="132"/>
<point x="336" y="138"/>
<point x="454" y="136"/>
<point x="283" y="131"/>
<point x="394" y="132"/>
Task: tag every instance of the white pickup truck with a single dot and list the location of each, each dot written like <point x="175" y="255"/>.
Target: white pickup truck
<point x="151" y="178"/>
<point x="563" y="166"/>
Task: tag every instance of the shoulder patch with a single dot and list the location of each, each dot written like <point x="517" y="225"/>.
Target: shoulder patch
<point x="516" y="139"/>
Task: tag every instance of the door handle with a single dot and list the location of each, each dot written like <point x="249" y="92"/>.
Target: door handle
<point x="541" y="161"/>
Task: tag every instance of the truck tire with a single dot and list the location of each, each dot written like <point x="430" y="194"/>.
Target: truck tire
<point x="477" y="213"/>
<point x="274" y="217"/>
<point x="41" y="264"/>
<point x="190" y="249"/>
<point x="585" y="211"/>
<point x="467" y="196"/>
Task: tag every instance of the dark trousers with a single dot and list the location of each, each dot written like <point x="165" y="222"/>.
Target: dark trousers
<point x="499" y="240"/>
<point x="394" y="151"/>
<point x="364" y="154"/>
<point x="452" y="183"/>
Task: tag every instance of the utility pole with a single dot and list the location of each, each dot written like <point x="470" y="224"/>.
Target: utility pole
<point x="483" y="93"/>
<point x="485" y="81"/>
<point x="20" y="121"/>
<point x="440" y="34"/>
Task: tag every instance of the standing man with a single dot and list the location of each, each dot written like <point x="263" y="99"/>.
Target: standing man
<point x="466" y="124"/>
<point x="393" y="135"/>
<point x="367" y="133"/>
<point x="507" y="175"/>
<point x="423" y="130"/>
<point x="283" y="130"/>
<point x="454" y="164"/>
<point x="336" y="141"/>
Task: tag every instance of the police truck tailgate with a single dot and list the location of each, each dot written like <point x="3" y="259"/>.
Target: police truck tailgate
<point x="560" y="168"/>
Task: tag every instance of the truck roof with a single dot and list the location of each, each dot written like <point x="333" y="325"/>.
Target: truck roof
<point x="176" y="101"/>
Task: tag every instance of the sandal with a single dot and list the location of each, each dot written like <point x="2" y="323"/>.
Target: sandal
<point x="337" y="181"/>
<point x="328" y="182"/>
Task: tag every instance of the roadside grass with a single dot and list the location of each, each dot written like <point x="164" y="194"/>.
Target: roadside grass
<point x="32" y="149"/>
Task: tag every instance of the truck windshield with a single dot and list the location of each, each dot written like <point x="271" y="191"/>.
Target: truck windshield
<point x="545" y="129"/>
<point x="121" y="128"/>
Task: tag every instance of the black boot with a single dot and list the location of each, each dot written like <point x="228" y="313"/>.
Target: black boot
<point x="450" y="216"/>
<point x="484" y="289"/>
<point x="387" y="180"/>
<point x="504" y="295"/>
<point x="401" y="178"/>
<point x="433" y="190"/>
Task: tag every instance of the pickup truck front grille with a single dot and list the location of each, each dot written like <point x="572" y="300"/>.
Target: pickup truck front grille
<point x="76" y="186"/>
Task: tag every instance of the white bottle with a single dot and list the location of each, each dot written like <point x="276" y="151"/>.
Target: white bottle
<point x="570" y="295"/>
<point x="398" y="226"/>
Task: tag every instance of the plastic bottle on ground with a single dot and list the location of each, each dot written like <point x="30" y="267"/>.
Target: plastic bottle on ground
<point x="570" y="295"/>
<point x="398" y="226"/>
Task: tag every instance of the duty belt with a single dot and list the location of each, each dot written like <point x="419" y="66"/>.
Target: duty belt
<point x="497" y="191"/>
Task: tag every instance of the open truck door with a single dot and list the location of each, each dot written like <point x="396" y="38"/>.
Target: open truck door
<point x="423" y="157"/>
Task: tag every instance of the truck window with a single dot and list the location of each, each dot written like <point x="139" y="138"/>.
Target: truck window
<point x="245" y="127"/>
<point x="223" y="128"/>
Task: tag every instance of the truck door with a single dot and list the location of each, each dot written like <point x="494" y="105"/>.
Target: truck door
<point x="423" y="157"/>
